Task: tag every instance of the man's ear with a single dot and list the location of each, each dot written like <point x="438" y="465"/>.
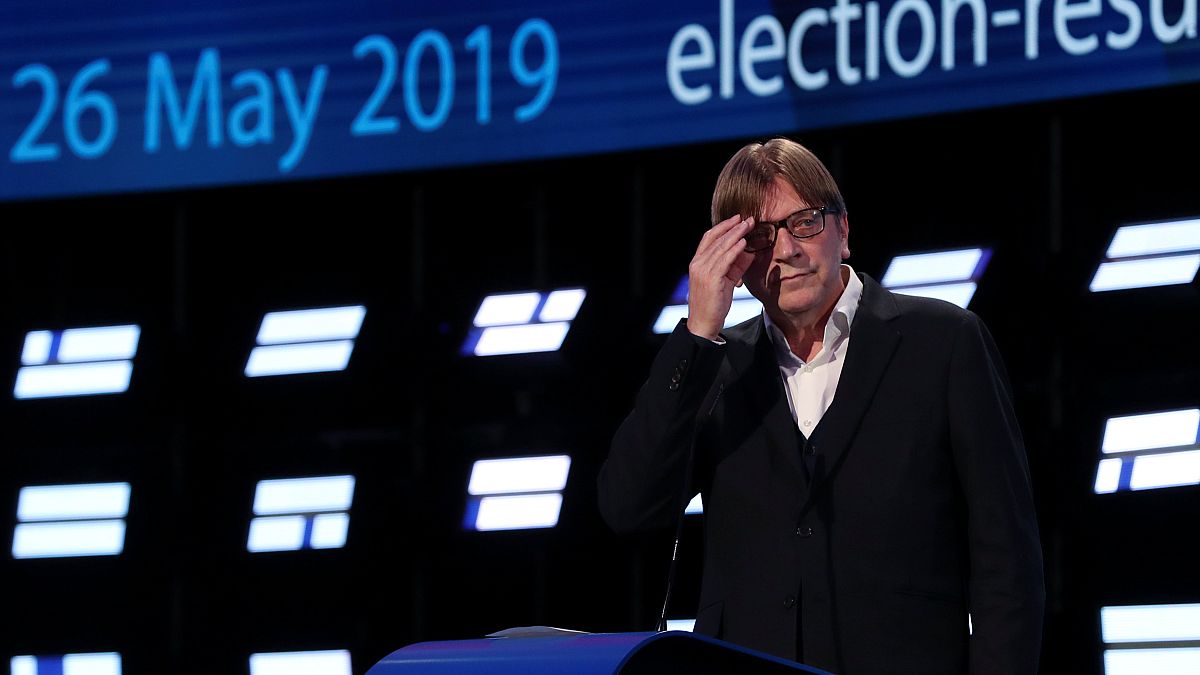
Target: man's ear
<point x="845" y="232"/>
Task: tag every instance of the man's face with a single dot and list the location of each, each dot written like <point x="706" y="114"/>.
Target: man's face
<point x="798" y="276"/>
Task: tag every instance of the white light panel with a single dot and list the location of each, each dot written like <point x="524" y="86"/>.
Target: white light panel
<point x="1148" y="255"/>
<point x="507" y="309"/>
<point x="331" y="662"/>
<point x="1150" y="623"/>
<point x="681" y="624"/>
<point x="518" y="512"/>
<point x="1148" y="451"/>
<point x="744" y="306"/>
<point x="68" y="539"/>
<point x="305" y="341"/>
<point x="519" y="474"/>
<point x="108" y="663"/>
<point x="303" y="495"/>
<point x="73" y="502"/>
<point x="297" y="513"/>
<point x="61" y="521"/>
<point x="695" y="507"/>
<point x="943" y="275"/>
<point x="562" y="305"/>
<point x="523" y="339"/>
<point x="523" y="323"/>
<point x="76" y="362"/>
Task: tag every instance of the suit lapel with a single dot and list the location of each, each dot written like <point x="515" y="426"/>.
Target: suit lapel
<point x="755" y="368"/>
<point x="873" y="341"/>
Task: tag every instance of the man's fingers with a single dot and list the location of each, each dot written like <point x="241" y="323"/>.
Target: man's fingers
<point x="716" y="232"/>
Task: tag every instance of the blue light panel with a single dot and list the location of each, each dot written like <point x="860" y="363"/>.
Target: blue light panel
<point x="77" y="362"/>
<point x="328" y="662"/>
<point x="1159" y="639"/>
<point x="59" y="521"/>
<point x="744" y="306"/>
<point x="516" y="493"/>
<point x="108" y="663"/>
<point x="305" y="341"/>
<point x="1155" y="450"/>
<point x="952" y="276"/>
<point x="1151" y="254"/>
<point x="523" y="323"/>
<point x="301" y="513"/>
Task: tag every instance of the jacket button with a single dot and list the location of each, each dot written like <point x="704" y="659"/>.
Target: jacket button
<point x="789" y="602"/>
<point x="810" y="449"/>
<point x="804" y="531"/>
<point x="673" y="386"/>
<point x="683" y="363"/>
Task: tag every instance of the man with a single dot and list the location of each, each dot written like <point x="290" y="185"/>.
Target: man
<point x="864" y="480"/>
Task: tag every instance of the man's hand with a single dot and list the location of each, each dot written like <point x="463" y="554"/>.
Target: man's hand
<point x="720" y="261"/>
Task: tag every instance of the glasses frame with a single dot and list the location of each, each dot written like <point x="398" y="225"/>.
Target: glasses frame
<point x="775" y="225"/>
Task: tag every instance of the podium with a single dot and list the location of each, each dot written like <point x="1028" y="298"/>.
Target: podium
<point x="587" y="654"/>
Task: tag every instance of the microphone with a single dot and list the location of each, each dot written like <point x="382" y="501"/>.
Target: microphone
<point x="683" y="502"/>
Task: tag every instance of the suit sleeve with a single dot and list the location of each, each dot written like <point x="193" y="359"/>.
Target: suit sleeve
<point x="1006" y="588"/>
<point x="642" y="481"/>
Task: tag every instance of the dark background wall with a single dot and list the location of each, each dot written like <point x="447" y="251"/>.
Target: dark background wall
<point x="1044" y="185"/>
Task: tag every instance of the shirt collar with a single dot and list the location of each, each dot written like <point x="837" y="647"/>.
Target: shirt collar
<point x="840" y="319"/>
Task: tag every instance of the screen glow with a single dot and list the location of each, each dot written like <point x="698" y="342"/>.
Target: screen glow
<point x="68" y="539"/>
<point x="1145" y="273"/>
<point x="562" y="305"/>
<point x="311" y="325"/>
<point x="73" y="502"/>
<point x="36" y="351"/>
<point x="331" y="662"/>
<point x="923" y="269"/>
<point x="82" y="379"/>
<point x="1150" y="623"/>
<point x="519" y="474"/>
<point x="1161" y="470"/>
<point x="524" y="339"/>
<point x="109" y="343"/>
<point x="303" y="495"/>
<point x="507" y="309"/>
<point x="1175" y="428"/>
<point x="512" y="512"/>
<point x="71" y="664"/>
<point x="1155" y="238"/>
<point x="304" y="357"/>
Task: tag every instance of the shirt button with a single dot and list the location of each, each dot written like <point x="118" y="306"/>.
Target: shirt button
<point x="789" y="602"/>
<point x="808" y="423"/>
<point x="804" y="532"/>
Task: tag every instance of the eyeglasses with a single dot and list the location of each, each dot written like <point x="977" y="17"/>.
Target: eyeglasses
<point x="802" y="224"/>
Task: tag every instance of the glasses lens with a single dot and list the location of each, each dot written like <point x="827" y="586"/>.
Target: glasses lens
<point x="806" y="223"/>
<point x="760" y="237"/>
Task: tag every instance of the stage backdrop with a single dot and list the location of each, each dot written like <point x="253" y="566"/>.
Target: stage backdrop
<point x="144" y="94"/>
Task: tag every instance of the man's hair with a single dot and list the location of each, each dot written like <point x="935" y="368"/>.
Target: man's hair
<point x="746" y="181"/>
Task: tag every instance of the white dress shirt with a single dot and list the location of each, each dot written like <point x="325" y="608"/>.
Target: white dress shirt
<point x="810" y="386"/>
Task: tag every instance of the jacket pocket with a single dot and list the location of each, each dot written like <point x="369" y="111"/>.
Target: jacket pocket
<point x="708" y="619"/>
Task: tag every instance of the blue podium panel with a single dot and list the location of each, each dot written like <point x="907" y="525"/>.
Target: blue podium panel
<point x="587" y="654"/>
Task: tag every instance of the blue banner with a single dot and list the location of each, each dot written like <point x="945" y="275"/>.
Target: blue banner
<point x="145" y="95"/>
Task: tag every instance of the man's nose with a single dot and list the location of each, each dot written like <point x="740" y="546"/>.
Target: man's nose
<point x="786" y="246"/>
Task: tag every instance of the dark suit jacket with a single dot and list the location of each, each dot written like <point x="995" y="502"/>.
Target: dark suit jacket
<point x="863" y="548"/>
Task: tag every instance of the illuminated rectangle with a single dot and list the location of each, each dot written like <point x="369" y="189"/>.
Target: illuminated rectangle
<point x="73" y="502"/>
<point x="522" y="339"/>
<point x="38" y="348"/>
<point x="330" y="662"/>
<point x="513" y="512"/>
<point x="956" y="294"/>
<point x="1150" y="623"/>
<point x="744" y="306"/>
<point x="1161" y="470"/>
<point x="71" y="664"/>
<point x="305" y="357"/>
<point x="303" y="495"/>
<point x="1175" y="428"/>
<point x="109" y="343"/>
<point x="519" y="474"/>
<point x="1152" y="254"/>
<point x="562" y="305"/>
<point x="523" y="323"/>
<point x="301" y="513"/>
<point x="695" y="507"/>
<point x="81" y="379"/>
<point x="60" y="521"/>
<point x="1108" y="475"/>
<point x="681" y="624"/>
<point x="329" y="530"/>
<point x="277" y="533"/>
<point x="311" y="325"/>
<point x="69" y="539"/>
<point x="925" y="269"/>
<point x="951" y="276"/>
<point x="1145" y="273"/>
<point x="507" y="309"/>
<point x="1166" y="661"/>
<point x="1155" y="238"/>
